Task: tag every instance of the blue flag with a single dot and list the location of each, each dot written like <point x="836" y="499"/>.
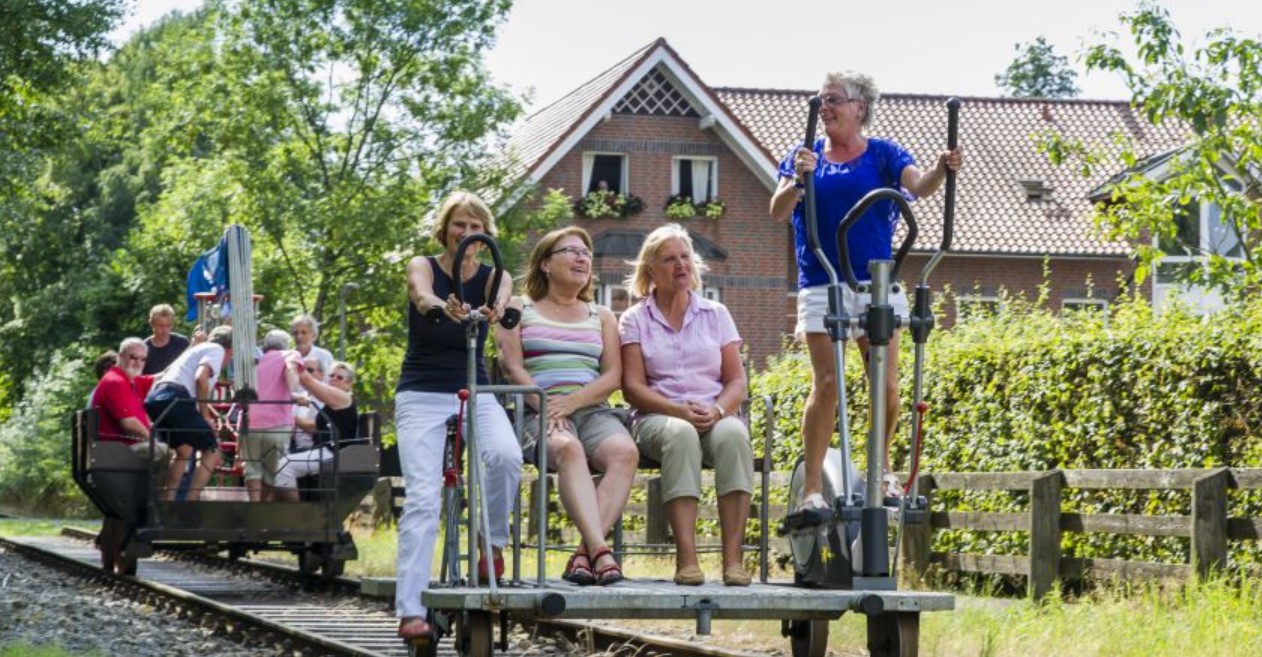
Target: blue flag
<point x="209" y="274"/>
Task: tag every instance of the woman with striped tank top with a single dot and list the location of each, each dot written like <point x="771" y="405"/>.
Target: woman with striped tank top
<point x="569" y="346"/>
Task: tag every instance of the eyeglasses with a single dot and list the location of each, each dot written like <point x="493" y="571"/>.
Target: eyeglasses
<point x="577" y="252"/>
<point x="837" y="100"/>
<point x="136" y="358"/>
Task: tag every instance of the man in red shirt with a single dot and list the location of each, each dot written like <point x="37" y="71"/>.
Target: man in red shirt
<point x="119" y="397"/>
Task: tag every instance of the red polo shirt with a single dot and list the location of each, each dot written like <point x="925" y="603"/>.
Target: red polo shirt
<point x="117" y="398"/>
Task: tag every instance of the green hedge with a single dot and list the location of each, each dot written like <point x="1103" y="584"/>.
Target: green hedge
<point x="1027" y="390"/>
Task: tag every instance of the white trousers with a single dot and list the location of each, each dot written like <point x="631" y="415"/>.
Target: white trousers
<point x="421" y="422"/>
<point x="300" y="464"/>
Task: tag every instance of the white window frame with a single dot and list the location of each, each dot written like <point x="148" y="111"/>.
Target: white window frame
<point x="604" y="295"/>
<point x="1201" y="299"/>
<point x="712" y="294"/>
<point x="589" y="162"/>
<point x="966" y="299"/>
<point x="714" y="174"/>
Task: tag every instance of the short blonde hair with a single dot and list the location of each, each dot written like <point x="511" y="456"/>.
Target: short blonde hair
<point x="639" y="282"/>
<point x="536" y="281"/>
<point x="858" y="87"/>
<point x="469" y="202"/>
<point x="162" y="310"/>
<point x="346" y="367"/>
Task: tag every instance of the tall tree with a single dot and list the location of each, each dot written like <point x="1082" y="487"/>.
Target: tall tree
<point x="1038" y="72"/>
<point x="1215" y="91"/>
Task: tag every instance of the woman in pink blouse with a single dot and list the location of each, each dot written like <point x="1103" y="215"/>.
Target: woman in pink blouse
<point x="682" y="372"/>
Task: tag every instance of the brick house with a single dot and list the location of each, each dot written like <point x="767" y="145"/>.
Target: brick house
<point x="648" y="126"/>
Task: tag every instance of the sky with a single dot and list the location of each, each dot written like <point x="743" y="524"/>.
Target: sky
<point x="549" y="47"/>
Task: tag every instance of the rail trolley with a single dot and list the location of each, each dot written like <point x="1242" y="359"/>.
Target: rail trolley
<point x="122" y="480"/>
<point x="828" y="581"/>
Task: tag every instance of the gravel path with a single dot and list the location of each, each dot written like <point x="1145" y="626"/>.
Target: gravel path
<point x="43" y="607"/>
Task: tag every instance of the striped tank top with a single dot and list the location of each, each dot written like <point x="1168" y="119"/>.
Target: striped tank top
<point x="561" y="356"/>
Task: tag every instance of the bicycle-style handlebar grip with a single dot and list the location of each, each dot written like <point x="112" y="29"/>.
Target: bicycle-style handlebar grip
<point x="953" y="140"/>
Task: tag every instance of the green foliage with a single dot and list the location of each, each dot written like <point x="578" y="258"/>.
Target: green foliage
<point x="35" y="439"/>
<point x="1025" y="390"/>
<point x="1038" y="72"/>
<point x="1215" y="92"/>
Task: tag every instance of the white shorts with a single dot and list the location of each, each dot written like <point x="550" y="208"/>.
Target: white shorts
<point x="813" y="306"/>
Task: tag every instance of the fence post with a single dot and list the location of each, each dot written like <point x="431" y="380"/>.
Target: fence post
<point x="918" y="539"/>
<point x="1044" y="532"/>
<point x="655" y="513"/>
<point x="1209" y="521"/>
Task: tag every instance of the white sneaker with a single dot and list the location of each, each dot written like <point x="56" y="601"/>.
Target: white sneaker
<point x="813" y="502"/>
<point x="892" y="487"/>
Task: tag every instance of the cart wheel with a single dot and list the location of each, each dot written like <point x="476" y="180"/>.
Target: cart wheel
<point x="894" y="635"/>
<point x="309" y="562"/>
<point x="808" y="638"/>
<point x="474" y="634"/>
<point x="423" y="647"/>
<point x="332" y="567"/>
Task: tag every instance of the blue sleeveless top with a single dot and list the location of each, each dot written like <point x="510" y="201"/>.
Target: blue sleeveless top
<point x="437" y="359"/>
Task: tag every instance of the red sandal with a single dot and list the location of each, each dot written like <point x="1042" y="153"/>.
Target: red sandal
<point x="611" y="574"/>
<point x="415" y="628"/>
<point x="579" y="570"/>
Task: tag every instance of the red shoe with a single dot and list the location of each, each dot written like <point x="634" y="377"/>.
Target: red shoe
<point x="499" y="568"/>
<point x="611" y="573"/>
<point x="415" y="627"/>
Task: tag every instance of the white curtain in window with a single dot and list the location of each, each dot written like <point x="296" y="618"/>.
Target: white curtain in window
<point x="589" y="159"/>
<point x="701" y="181"/>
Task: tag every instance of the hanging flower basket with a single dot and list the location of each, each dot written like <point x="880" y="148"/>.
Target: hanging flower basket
<point x="680" y="207"/>
<point x="712" y="209"/>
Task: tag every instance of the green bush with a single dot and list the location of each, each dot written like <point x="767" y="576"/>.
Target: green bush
<point x="1028" y="390"/>
<point x="35" y="440"/>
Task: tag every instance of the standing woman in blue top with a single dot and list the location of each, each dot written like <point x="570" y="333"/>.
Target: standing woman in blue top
<point x="434" y="370"/>
<point x="846" y="165"/>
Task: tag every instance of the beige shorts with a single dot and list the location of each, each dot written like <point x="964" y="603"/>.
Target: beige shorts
<point x="261" y="451"/>
<point x="681" y="451"/>
<point x="591" y="425"/>
<point x="813" y="306"/>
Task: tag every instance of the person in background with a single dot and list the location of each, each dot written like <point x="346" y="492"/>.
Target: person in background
<point x="306" y="330"/>
<point x="164" y="345"/>
<point x="271" y="421"/>
<point x="334" y="427"/>
<point x="845" y="164"/>
<point x="306" y="407"/>
<point x="682" y="372"/>
<point x="568" y="345"/>
<point x="434" y="370"/>
<point x="103" y="364"/>
<point x="185" y="424"/>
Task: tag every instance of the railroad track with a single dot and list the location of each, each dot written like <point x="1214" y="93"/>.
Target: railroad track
<point x="274" y="605"/>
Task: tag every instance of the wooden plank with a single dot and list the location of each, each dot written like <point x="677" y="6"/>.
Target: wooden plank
<point x="1209" y="521"/>
<point x="1044" y="533"/>
<point x="983" y="480"/>
<point x="1003" y="564"/>
<point x="1131" y="479"/>
<point x="980" y="521"/>
<point x="1125" y="523"/>
<point x="1246" y="529"/>
<point x="1073" y="568"/>
<point x="1246" y="478"/>
<point x="655" y="525"/>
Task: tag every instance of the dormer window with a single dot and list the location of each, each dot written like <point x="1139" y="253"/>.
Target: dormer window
<point x="1036" y="191"/>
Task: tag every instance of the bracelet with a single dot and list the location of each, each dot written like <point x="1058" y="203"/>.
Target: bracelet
<point x="722" y="413"/>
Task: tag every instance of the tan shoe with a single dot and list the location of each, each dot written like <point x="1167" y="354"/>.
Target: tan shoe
<point x="736" y="576"/>
<point x="689" y="576"/>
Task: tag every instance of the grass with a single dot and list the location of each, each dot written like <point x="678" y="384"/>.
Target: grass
<point x="26" y="527"/>
<point x="27" y="650"/>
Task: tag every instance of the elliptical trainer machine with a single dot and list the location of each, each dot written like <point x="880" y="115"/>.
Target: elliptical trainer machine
<point x="847" y="546"/>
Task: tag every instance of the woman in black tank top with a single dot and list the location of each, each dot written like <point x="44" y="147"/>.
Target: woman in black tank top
<point x="434" y="369"/>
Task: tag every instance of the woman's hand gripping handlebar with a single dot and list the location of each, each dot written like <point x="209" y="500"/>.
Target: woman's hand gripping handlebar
<point x="456" y="308"/>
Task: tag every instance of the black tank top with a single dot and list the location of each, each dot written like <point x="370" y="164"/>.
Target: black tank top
<point x="346" y="420"/>
<point x="437" y="358"/>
